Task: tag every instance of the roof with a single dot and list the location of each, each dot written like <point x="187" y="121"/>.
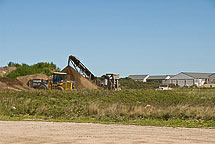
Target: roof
<point x="157" y="77"/>
<point x="137" y="77"/>
<point x="198" y="75"/>
<point x="212" y="75"/>
<point x="171" y="76"/>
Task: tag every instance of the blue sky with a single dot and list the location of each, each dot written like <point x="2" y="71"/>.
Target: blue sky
<point x="119" y="36"/>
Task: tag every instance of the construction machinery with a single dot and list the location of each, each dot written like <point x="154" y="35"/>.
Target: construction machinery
<point x="108" y="81"/>
<point x="57" y="82"/>
<point x="79" y="67"/>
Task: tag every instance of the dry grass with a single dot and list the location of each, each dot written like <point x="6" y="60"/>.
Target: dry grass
<point x="148" y="111"/>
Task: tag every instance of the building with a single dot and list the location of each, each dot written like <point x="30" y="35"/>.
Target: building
<point x="212" y="79"/>
<point x="161" y="79"/>
<point x="190" y="79"/>
<point x="142" y="78"/>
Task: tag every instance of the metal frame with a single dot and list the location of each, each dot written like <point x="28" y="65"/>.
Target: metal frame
<point x="79" y="67"/>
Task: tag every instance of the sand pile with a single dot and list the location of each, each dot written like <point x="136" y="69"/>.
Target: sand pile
<point x="20" y="83"/>
<point x="25" y="79"/>
<point x="80" y="81"/>
<point x="6" y="70"/>
<point x="11" y="84"/>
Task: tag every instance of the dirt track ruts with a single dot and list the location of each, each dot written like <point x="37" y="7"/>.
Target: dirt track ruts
<point x="29" y="132"/>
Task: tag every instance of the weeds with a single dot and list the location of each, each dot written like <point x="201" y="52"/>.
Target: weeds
<point x="113" y="106"/>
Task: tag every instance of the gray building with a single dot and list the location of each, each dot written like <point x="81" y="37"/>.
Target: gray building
<point x="161" y="79"/>
<point x="139" y="77"/>
<point x="190" y="79"/>
<point x="212" y="79"/>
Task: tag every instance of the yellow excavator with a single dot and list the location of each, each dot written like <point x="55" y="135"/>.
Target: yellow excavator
<point x="57" y="82"/>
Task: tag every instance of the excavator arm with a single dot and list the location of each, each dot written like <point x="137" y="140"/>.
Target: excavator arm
<point x="79" y="66"/>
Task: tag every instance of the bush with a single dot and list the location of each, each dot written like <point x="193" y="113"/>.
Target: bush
<point x="128" y="83"/>
<point x="24" y="69"/>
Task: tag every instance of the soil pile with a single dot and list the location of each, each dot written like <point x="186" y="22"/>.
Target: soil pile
<point x="80" y="81"/>
<point x="11" y="84"/>
<point x="25" y="79"/>
<point x="6" y="70"/>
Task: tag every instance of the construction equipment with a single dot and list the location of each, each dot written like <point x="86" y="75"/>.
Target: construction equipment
<point x="79" y="67"/>
<point x="58" y="82"/>
<point x="108" y="81"/>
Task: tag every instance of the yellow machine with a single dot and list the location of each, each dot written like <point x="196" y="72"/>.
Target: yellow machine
<point x="58" y="82"/>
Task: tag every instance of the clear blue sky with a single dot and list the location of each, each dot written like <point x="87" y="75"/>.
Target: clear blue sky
<point x="119" y="36"/>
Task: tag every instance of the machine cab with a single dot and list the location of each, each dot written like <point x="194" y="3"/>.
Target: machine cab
<point x="59" y="77"/>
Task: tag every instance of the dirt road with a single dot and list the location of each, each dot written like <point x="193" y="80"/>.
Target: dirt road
<point x="26" y="132"/>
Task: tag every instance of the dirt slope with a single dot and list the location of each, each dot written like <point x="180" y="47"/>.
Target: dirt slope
<point x="25" y="79"/>
<point x="11" y="84"/>
<point x="80" y="81"/>
<point x="6" y="70"/>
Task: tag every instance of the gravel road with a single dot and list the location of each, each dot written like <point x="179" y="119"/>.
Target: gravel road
<point x="30" y="132"/>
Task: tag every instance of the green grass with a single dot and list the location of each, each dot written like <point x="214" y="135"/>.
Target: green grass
<point x="141" y="122"/>
<point x="178" y="108"/>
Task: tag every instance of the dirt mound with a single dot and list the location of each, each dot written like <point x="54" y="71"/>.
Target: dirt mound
<point x="25" y="79"/>
<point x="6" y="70"/>
<point x="11" y="84"/>
<point x="80" y="81"/>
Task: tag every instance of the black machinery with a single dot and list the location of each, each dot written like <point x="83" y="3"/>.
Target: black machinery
<point x="108" y="81"/>
<point x="79" y="67"/>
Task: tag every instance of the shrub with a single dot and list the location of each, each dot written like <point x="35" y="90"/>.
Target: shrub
<point x="24" y="69"/>
<point x="128" y="83"/>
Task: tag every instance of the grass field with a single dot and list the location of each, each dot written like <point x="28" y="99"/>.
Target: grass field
<point x="180" y="107"/>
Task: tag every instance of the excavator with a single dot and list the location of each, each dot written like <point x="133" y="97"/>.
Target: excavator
<point x="108" y="81"/>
